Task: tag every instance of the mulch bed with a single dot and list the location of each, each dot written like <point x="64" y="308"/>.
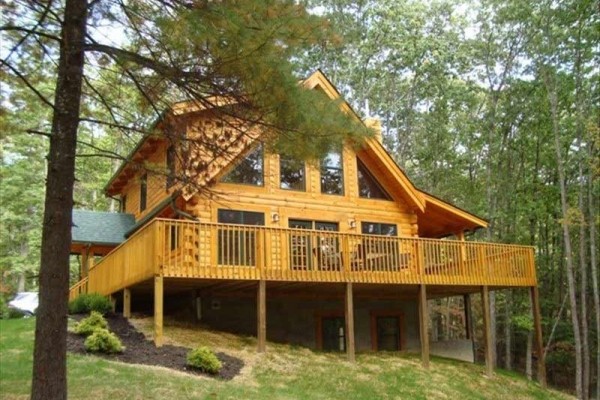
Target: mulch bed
<point x="138" y="350"/>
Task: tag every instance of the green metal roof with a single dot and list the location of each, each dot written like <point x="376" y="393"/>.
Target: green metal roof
<point x="99" y="227"/>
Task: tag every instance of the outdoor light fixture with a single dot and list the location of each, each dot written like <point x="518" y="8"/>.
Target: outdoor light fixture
<point x="352" y="223"/>
<point x="275" y="217"/>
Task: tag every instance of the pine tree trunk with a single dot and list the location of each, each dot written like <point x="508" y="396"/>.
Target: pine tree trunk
<point x="583" y="290"/>
<point x="552" y="97"/>
<point x="49" y="361"/>
<point x="594" y="270"/>
<point x="528" y="359"/>
<point x="508" y="332"/>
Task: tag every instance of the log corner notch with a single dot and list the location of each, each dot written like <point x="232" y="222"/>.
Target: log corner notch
<point x="539" y="343"/>
<point x="424" y="326"/>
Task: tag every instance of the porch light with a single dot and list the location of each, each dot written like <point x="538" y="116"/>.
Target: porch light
<point x="275" y="217"/>
<point x="352" y="223"/>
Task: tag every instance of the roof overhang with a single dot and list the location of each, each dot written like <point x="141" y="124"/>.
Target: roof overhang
<point x="440" y="219"/>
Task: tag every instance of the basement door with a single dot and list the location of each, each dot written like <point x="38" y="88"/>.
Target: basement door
<point x="388" y="333"/>
<point x="333" y="333"/>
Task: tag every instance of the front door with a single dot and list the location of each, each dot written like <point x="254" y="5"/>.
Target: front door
<point x="333" y="333"/>
<point x="388" y="333"/>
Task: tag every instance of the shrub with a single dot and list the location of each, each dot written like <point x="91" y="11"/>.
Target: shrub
<point x="14" y="313"/>
<point x="88" y="302"/>
<point x="204" y="359"/>
<point x="103" y="341"/>
<point x="88" y="325"/>
<point x="4" y="311"/>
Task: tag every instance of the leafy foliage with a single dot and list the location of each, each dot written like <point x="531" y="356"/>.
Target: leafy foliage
<point x="89" y="302"/>
<point x="103" y="341"/>
<point x="204" y="359"/>
<point x="88" y="325"/>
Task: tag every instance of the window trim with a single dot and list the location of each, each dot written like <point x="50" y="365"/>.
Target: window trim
<point x="124" y="203"/>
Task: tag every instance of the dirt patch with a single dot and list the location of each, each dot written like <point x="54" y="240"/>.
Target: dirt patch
<point x="138" y="350"/>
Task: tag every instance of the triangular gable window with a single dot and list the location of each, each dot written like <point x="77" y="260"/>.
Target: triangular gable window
<point x="368" y="187"/>
<point x="249" y="171"/>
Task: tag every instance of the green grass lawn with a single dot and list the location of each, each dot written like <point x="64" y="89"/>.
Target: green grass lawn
<point x="284" y="372"/>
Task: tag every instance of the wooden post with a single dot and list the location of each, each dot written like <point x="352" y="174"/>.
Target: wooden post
<point x="158" y="310"/>
<point x="113" y="302"/>
<point x="487" y="328"/>
<point x="539" y="344"/>
<point x="424" y="325"/>
<point x="261" y="315"/>
<point x="349" y="319"/>
<point x="127" y="303"/>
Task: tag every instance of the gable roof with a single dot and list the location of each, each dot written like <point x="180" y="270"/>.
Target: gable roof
<point x="100" y="228"/>
<point x="427" y="207"/>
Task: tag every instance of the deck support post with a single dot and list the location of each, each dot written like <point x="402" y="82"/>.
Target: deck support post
<point x="127" y="303"/>
<point x="469" y="329"/>
<point x="113" y="302"/>
<point x="261" y="315"/>
<point x="349" y="320"/>
<point x="487" y="331"/>
<point x="158" y="310"/>
<point x="539" y="343"/>
<point x="424" y="326"/>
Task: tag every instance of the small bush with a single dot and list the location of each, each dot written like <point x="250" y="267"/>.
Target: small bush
<point x="14" y="313"/>
<point x="4" y="311"/>
<point x="103" y="341"/>
<point x="88" y="325"/>
<point x="204" y="359"/>
<point x="88" y="302"/>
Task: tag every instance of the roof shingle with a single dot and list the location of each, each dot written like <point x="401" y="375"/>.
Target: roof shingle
<point x="98" y="227"/>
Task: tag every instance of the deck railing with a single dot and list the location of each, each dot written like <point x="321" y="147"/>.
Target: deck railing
<point x="187" y="249"/>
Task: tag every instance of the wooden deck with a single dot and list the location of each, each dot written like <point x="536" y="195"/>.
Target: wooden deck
<point x="185" y="249"/>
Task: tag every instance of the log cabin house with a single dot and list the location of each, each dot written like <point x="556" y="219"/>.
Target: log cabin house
<point x="340" y="254"/>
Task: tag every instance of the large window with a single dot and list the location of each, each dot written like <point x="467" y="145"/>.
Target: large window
<point x="380" y="253"/>
<point x="143" y="191"/>
<point x="237" y="245"/>
<point x="368" y="187"/>
<point x="171" y="165"/>
<point x="309" y="251"/>
<point x="249" y="171"/>
<point x="377" y="228"/>
<point x="332" y="173"/>
<point x="292" y="174"/>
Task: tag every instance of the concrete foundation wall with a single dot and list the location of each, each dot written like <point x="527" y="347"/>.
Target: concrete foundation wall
<point x="294" y="321"/>
<point x="455" y="349"/>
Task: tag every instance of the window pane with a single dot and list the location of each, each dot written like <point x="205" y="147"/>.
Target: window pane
<point x="368" y="187"/>
<point x="292" y="174"/>
<point x="240" y="217"/>
<point x="171" y="157"/>
<point x="143" y="191"/>
<point x="332" y="174"/>
<point x="248" y="171"/>
<point x="376" y="228"/>
<point x="332" y="159"/>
